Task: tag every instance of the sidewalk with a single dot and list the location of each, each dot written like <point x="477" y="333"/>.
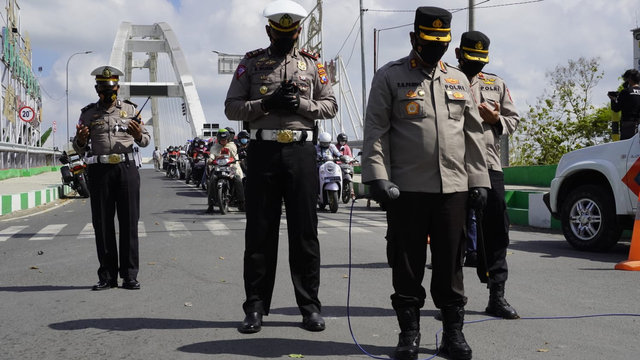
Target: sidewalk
<point x="21" y="193"/>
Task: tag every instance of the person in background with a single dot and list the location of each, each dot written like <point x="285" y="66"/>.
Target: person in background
<point x="628" y="102"/>
<point x="342" y="145"/>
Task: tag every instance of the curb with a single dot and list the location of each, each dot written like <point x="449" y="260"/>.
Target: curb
<point x="524" y="208"/>
<point x="27" y="200"/>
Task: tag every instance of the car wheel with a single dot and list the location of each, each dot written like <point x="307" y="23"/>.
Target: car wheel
<point x="588" y="219"/>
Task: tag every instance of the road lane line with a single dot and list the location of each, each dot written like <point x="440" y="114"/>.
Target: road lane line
<point x="10" y="231"/>
<point x="217" y="227"/>
<point x="48" y="232"/>
<point x="87" y="232"/>
<point x="142" y="231"/>
<point x="343" y="226"/>
<point x="176" y="229"/>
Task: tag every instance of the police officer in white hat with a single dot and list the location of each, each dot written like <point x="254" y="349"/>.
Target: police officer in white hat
<point x="279" y="92"/>
<point x="112" y="128"/>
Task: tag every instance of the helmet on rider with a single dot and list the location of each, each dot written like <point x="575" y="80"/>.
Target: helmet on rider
<point x="170" y="149"/>
<point x="244" y="136"/>
<point x="324" y="139"/>
<point x="342" y="138"/>
<point x="223" y="134"/>
<point x="231" y="131"/>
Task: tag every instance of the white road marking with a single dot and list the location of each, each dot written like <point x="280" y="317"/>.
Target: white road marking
<point x="10" y="231"/>
<point x="48" y="232"/>
<point x="176" y="229"/>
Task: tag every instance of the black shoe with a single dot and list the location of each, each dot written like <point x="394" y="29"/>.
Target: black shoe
<point x="252" y="323"/>
<point x="209" y="210"/>
<point x="499" y="307"/>
<point x="408" y="345"/>
<point x="471" y="260"/>
<point x="313" y="322"/>
<point x="241" y="207"/>
<point x="105" y="285"/>
<point x="131" y="284"/>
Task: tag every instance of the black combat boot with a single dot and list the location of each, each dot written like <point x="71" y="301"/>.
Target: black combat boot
<point x="409" y="338"/>
<point x="453" y="342"/>
<point x="498" y="306"/>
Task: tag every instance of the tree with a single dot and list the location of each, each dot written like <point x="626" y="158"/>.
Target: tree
<point x="563" y="118"/>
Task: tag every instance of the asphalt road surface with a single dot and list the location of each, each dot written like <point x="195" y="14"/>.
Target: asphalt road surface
<point x="189" y="306"/>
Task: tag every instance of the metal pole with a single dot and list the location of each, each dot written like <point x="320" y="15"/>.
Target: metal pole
<point x="375" y="53"/>
<point x="472" y="25"/>
<point x="67" y="90"/>
<point x="364" y="74"/>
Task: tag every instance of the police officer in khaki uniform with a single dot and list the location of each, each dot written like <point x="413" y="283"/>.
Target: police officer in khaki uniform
<point x="114" y="182"/>
<point x="423" y="134"/>
<point x="499" y="117"/>
<point x="280" y="92"/>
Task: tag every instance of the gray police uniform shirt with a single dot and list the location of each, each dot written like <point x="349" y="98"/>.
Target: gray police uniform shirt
<point x="108" y="129"/>
<point x="492" y="89"/>
<point x="260" y="73"/>
<point x="423" y="130"/>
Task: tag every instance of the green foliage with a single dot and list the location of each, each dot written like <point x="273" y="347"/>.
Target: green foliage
<point x="563" y="118"/>
<point x="45" y="136"/>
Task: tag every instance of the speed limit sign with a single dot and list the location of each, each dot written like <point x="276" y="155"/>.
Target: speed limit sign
<point x="27" y="114"/>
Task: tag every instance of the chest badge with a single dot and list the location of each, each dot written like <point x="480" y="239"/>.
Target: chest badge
<point x="452" y="81"/>
<point x="412" y="108"/>
<point x="270" y="62"/>
<point x="420" y="92"/>
<point x="264" y="77"/>
<point x="123" y="114"/>
<point x="263" y="59"/>
<point x="263" y="90"/>
<point x="411" y="94"/>
<point x="95" y="116"/>
<point x="303" y="88"/>
<point x="458" y="95"/>
<point x="414" y="64"/>
<point x="302" y="65"/>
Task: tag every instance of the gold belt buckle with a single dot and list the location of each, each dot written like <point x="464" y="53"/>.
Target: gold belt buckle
<point x="114" y="159"/>
<point x="285" y="136"/>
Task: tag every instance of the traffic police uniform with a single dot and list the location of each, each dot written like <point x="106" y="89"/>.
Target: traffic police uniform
<point x="491" y="89"/>
<point x="281" y="164"/>
<point x="423" y="132"/>
<point x="114" y="182"/>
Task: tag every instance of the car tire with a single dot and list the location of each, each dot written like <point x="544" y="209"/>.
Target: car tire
<point x="588" y="219"/>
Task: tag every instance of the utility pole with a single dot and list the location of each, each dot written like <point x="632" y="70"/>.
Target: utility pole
<point x="364" y="75"/>
<point x="472" y="22"/>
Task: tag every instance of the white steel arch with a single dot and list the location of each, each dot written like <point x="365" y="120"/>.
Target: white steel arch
<point x="151" y="40"/>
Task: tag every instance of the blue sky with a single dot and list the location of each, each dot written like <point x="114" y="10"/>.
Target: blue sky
<point x="526" y="40"/>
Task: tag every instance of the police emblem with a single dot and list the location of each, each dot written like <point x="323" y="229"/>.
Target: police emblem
<point x="106" y="73"/>
<point x="458" y="95"/>
<point x="411" y="94"/>
<point x="302" y="65"/>
<point x="412" y="108"/>
<point x="263" y="90"/>
<point x="264" y="77"/>
<point x="437" y="23"/>
<point x="452" y="81"/>
<point x="240" y="71"/>
<point x="123" y="114"/>
<point x="479" y="46"/>
<point x="286" y="21"/>
<point x="489" y="81"/>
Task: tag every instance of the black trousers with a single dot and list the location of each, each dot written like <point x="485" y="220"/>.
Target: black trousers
<point x="115" y="188"/>
<point x="628" y="128"/>
<point x="411" y="219"/>
<point x="495" y="228"/>
<point x="276" y="172"/>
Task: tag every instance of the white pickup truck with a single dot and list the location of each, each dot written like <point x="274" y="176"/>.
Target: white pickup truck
<point x="595" y="193"/>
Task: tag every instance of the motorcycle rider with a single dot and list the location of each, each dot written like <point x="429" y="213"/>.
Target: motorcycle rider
<point x="342" y="144"/>
<point x="171" y="152"/>
<point x="325" y="149"/>
<point x="242" y="144"/>
<point x="223" y="138"/>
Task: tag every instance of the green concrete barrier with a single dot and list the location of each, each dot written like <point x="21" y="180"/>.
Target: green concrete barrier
<point x="540" y="175"/>
<point x="12" y="173"/>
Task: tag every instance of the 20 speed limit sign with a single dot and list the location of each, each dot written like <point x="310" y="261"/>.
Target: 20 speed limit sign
<point x="27" y="114"/>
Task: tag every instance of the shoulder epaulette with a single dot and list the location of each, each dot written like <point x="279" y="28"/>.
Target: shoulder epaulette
<point x="305" y="52"/>
<point x="488" y="73"/>
<point x="87" y="107"/>
<point x="443" y="66"/>
<point x="254" y="53"/>
<point x="130" y="103"/>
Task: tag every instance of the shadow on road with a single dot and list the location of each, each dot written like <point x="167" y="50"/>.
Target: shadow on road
<point x="279" y="348"/>
<point x="378" y="265"/>
<point x="20" y="289"/>
<point x="132" y="324"/>
<point x="558" y="249"/>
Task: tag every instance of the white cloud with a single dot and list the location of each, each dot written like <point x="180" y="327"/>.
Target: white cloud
<point x="526" y="40"/>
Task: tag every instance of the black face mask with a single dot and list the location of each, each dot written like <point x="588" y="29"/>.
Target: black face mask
<point x="283" y="45"/>
<point x="108" y="96"/>
<point x="625" y="85"/>
<point x="471" y="68"/>
<point x="431" y="52"/>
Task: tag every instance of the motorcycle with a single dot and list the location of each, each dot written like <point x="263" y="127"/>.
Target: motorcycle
<point x="346" y="165"/>
<point x="330" y="177"/>
<point x="183" y="164"/>
<point x="172" y="168"/>
<point x="74" y="173"/>
<point x="197" y="168"/>
<point x="221" y="181"/>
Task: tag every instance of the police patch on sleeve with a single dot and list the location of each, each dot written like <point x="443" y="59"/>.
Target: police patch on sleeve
<point x="241" y="70"/>
<point x="322" y="73"/>
<point x="412" y="108"/>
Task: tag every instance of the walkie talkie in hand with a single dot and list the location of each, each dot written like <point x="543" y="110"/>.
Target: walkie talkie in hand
<point x="136" y="117"/>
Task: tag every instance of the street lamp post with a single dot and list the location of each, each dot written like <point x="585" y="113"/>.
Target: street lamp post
<point x="67" y="90"/>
